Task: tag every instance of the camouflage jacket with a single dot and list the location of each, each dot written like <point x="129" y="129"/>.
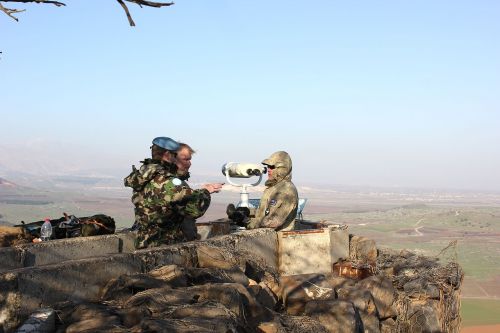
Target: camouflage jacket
<point x="162" y="201"/>
<point x="279" y="202"/>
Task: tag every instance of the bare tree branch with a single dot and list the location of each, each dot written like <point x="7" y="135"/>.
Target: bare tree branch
<point x="151" y="3"/>
<point x="141" y="3"/>
<point x="130" y="20"/>
<point x="57" y="3"/>
<point x="9" y="11"/>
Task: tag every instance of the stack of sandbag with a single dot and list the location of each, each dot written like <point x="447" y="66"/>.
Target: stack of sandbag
<point x="12" y="236"/>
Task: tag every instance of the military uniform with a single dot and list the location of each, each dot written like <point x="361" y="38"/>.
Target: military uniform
<point x="188" y="225"/>
<point x="162" y="201"/>
<point x="279" y="202"/>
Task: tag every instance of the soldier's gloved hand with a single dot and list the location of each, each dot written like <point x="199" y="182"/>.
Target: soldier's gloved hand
<point x="238" y="215"/>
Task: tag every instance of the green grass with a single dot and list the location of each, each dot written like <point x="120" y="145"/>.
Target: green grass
<point x="478" y="255"/>
<point x="480" y="312"/>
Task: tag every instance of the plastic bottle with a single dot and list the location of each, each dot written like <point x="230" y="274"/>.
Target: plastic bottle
<point x="46" y="230"/>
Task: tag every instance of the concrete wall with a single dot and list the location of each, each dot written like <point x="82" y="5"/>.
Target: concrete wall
<point x="24" y="290"/>
<point x="62" y="270"/>
<point x="312" y="250"/>
<point x="262" y="244"/>
<point x="56" y="251"/>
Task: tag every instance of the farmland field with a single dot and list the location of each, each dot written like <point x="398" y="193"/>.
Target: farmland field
<point x="480" y="312"/>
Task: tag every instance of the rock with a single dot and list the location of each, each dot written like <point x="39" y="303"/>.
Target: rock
<point x="363" y="250"/>
<point x="269" y="327"/>
<point x="252" y="282"/>
<point x="273" y="284"/>
<point x="301" y="324"/>
<point x="388" y="326"/>
<point x="420" y="288"/>
<point x="41" y="321"/>
<point x="423" y="317"/>
<point x="383" y="293"/>
<point x="266" y="297"/>
<point x="276" y="326"/>
<point x="254" y="271"/>
<point x="369" y="322"/>
<point x="297" y="290"/>
<point x="254" y="289"/>
<point x="338" y="283"/>
<point x="362" y="299"/>
<point x="336" y="316"/>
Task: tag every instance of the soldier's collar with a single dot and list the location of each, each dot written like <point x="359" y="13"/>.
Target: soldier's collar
<point x="184" y="176"/>
<point x="170" y="167"/>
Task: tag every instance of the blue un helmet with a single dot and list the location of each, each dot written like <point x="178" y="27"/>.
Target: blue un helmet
<point x="166" y="143"/>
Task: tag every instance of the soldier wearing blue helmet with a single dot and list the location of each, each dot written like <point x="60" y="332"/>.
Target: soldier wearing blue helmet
<point x="161" y="199"/>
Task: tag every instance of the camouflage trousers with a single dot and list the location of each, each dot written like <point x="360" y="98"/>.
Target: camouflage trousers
<point x="155" y="235"/>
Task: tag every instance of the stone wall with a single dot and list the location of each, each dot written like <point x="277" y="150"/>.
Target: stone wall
<point x="359" y="288"/>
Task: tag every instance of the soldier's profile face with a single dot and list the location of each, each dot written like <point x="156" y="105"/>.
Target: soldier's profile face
<point x="183" y="159"/>
<point x="270" y="171"/>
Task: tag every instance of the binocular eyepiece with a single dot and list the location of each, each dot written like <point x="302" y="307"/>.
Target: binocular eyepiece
<point x="257" y="172"/>
<point x="243" y="170"/>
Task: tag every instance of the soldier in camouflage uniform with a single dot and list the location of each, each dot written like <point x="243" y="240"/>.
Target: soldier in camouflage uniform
<point x="160" y="198"/>
<point x="279" y="202"/>
<point x="184" y="154"/>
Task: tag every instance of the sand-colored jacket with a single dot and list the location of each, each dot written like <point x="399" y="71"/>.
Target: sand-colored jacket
<point x="279" y="202"/>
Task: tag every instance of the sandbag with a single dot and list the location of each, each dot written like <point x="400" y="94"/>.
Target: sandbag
<point x="335" y="315"/>
<point x="160" y="299"/>
<point x="174" y="275"/>
<point x="90" y="317"/>
<point x="212" y="257"/>
<point x="196" y="276"/>
<point x="207" y="310"/>
<point x="122" y="288"/>
<point x="99" y="324"/>
<point x="168" y="326"/>
<point x="383" y="293"/>
<point x="301" y="324"/>
<point x="11" y="236"/>
<point x="235" y="298"/>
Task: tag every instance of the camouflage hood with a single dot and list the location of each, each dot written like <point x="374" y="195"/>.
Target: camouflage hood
<point x="282" y="167"/>
<point x="150" y="168"/>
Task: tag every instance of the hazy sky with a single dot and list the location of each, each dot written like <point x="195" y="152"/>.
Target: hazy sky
<point x="392" y="93"/>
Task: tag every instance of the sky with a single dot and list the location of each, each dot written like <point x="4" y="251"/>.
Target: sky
<point x="389" y="93"/>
